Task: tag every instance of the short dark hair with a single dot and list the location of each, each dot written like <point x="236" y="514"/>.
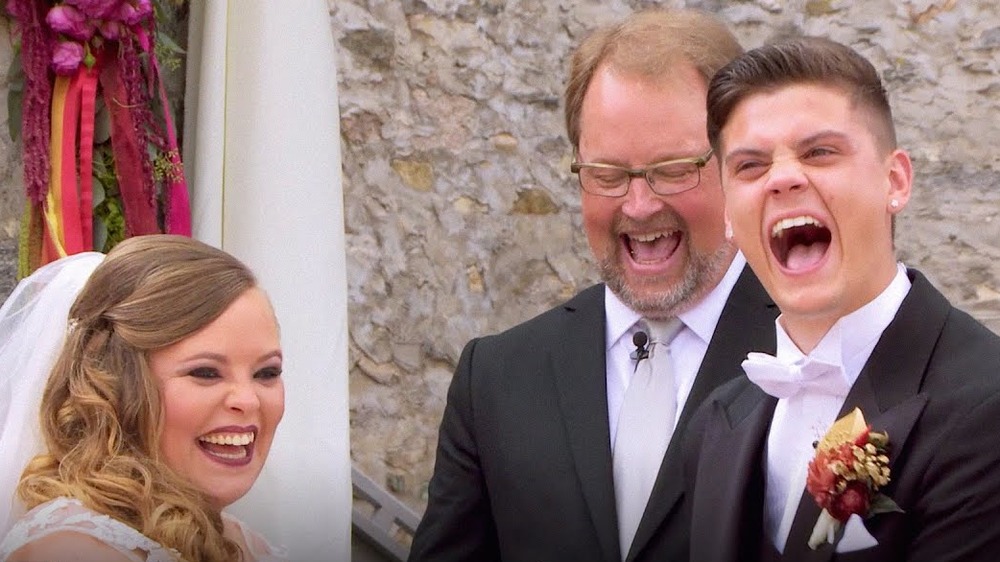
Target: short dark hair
<point x="802" y="60"/>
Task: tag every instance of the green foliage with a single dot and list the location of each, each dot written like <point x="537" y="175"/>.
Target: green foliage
<point x="167" y="51"/>
<point x="15" y="94"/>
<point x="109" y="217"/>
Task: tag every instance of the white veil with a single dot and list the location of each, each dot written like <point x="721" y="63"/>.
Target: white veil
<point x="32" y="330"/>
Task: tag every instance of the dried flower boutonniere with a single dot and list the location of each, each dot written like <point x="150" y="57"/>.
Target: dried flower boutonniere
<point x="850" y="466"/>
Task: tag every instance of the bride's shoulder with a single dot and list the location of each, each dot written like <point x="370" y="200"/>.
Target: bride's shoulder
<point x="253" y="543"/>
<point x="67" y="545"/>
<point x="62" y="527"/>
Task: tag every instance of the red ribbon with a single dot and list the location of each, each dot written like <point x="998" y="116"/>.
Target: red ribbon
<point x="136" y="188"/>
<point x="77" y="201"/>
<point x="69" y="200"/>
<point x="178" y="208"/>
<point x="88" y="112"/>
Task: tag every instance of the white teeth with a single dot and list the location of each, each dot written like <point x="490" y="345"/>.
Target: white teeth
<point x="784" y="224"/>
<point x="239" y="454"/>
<point x="228" y="438"/>
<point x="648" y="237"/>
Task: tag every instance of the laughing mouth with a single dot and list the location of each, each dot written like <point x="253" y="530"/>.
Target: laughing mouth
<point x="228" y="446"/>
<point x="799" y="242"/>
<point x="653" y="247"/>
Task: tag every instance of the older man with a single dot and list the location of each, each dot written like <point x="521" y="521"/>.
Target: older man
<point x="556" y="442"/>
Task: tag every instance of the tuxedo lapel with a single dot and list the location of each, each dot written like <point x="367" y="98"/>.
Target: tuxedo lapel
<point x="887" y="391"/>
<point x="896" y="368"/>
<point x="729" y="467"/>
<point x="578" y="364"/>
<point x="746" y="324"/>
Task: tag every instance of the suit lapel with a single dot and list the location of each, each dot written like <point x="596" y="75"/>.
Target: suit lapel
<point x="578" y="362"/>
<point x="746" y="324"/>
<point x="887" y="391"/>
<point x="729" y="466"/>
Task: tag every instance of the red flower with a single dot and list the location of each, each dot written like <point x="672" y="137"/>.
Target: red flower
<point x="855" y="498"/>
<point x="821" y="482"/>
<point x="841" y="485"/>
<point x="863" y="437"/>
<point x="850" y="467"/>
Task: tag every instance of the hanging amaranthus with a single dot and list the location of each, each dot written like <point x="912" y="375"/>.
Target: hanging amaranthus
<point x="90" y="72"/>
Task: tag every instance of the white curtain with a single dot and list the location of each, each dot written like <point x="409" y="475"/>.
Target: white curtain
<point x="262" y="153"/>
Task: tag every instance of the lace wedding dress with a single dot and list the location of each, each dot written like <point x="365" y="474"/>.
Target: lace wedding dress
<point x="65" y="514"/>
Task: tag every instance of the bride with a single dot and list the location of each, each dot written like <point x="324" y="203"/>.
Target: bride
<point x="158" y="410"/>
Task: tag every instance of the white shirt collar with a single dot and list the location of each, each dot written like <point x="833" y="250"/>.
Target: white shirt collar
<point x="851" y="339"/>
<point x="700" y="319"/>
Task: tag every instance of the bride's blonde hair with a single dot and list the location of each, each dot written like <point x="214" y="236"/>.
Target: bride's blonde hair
<point x="101" y="414"/>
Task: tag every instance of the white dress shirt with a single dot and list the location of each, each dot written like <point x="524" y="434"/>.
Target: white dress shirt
<point x="803" y="419"/>
<point x="687" y="350"/>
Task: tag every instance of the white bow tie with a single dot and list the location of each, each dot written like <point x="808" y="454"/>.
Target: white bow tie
<point x="783" y="380"/>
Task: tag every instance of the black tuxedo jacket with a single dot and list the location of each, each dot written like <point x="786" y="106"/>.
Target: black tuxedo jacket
<point x="523" y="469"/>
<point x="933" y="384"/>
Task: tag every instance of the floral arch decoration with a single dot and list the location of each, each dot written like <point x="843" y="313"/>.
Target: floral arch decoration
<point x="100" y="149"/>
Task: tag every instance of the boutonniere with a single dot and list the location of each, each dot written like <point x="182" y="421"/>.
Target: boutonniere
<point x="850" y="466"/>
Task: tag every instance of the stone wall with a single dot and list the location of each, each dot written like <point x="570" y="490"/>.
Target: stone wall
<point x="11" y="182"/>
<point x="463" y="218"/>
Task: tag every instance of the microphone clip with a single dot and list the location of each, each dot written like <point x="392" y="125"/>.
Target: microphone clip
<point x="640" y="339"/>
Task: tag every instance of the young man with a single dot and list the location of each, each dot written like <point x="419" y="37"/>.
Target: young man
<point x="549" y="449"/>
<point x="813" y="180"/>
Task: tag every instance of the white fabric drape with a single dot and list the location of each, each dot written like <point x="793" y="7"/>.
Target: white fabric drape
<point x="261" y="146"/>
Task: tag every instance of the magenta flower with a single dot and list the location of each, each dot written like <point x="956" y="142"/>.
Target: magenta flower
<point x="70" y="22"/>
<point x="110" y="30"/>
<point x="67" y="58"/>
<point x="131" y="14"/>
<point x="97" y="9"/>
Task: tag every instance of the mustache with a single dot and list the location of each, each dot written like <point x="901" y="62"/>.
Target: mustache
<point x="664" y="220"/>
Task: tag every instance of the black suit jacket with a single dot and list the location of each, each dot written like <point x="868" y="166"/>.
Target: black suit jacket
<point x="523" y="468"/>
<point x="933" y="384"/>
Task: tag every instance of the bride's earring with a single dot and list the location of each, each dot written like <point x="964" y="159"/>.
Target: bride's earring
<point x="894" y="204"/>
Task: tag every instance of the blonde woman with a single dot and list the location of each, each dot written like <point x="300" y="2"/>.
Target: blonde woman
<point x="158" y="412"/>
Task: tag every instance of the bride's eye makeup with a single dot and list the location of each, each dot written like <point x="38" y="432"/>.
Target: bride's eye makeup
<point x="204" y="373"/>
<point x="268" y="373"/>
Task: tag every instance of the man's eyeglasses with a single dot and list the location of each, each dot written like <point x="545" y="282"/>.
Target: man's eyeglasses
<point x="664" y="178"/>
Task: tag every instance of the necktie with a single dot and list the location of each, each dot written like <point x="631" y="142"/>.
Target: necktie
<point x="645" y="425"/>
<point x="783" y="380"/>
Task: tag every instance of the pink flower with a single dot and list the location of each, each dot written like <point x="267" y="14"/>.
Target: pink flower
<point x="110" y="30"/>
<point x="70" y="22"/>
<point x="67" y="58"/>
<point x="133" y="14"/>
<point x="96" y="9"/>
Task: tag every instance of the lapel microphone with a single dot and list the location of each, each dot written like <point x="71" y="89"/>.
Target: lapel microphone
<point x="639" y="339"/>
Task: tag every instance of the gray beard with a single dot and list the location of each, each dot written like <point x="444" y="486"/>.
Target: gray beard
<point x="702" y="274"/>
